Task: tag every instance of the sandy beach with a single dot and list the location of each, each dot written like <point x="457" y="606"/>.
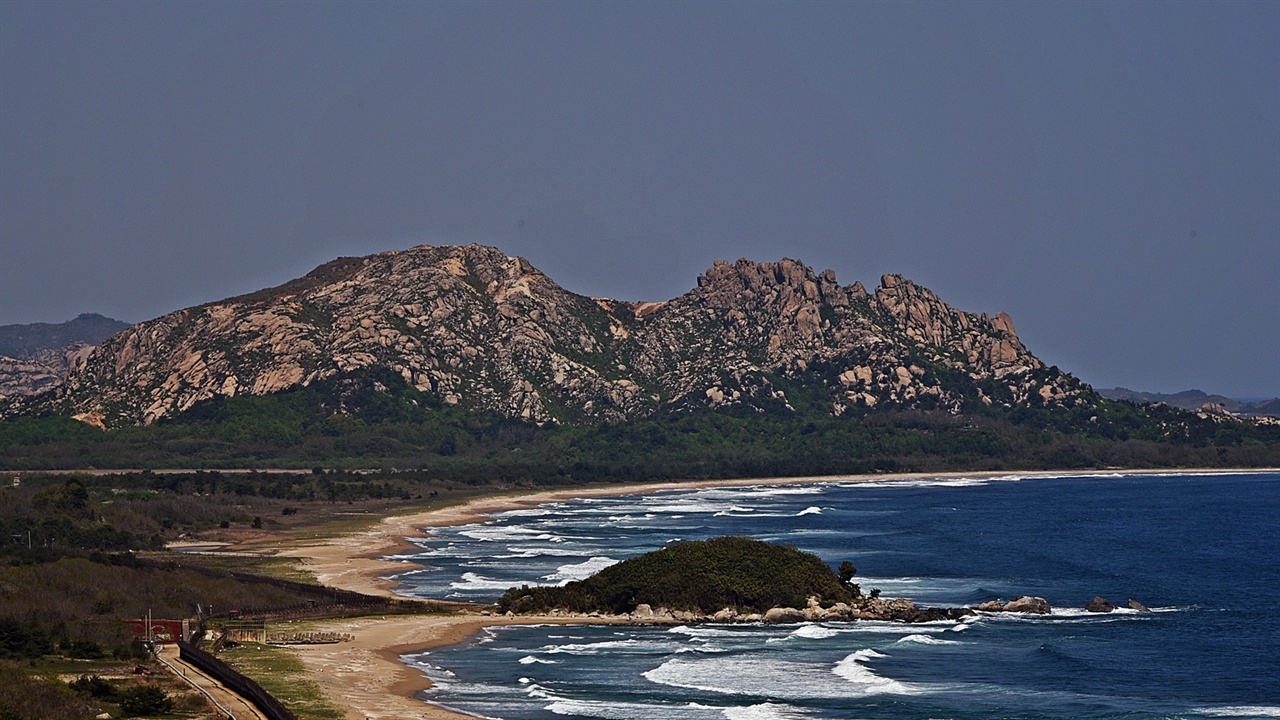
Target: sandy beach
<point x="366" y="678"/>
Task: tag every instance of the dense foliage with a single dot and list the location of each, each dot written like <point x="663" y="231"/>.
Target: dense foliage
<point x="27" y="697"/>
<point x="74" y="558"/>
<point x="375" y="420"/>
<point x="698" y="576"/>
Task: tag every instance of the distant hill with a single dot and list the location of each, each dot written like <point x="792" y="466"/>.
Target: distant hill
<point x="29" y="341"/>
<point x="1193" y="400"/>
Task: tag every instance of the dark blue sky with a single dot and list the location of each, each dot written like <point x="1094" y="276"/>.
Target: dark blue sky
<point x="1107" y="173"/>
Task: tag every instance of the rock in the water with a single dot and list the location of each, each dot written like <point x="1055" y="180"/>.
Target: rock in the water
<point x="991" y="606"/>
<point x="1100" y="605"/>
<point x="1025" y="604"/>
<point x="777" y="616"/>
<point x="1135" y="605"/>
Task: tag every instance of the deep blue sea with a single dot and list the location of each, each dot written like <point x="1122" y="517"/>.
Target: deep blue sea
<point x="1201" y="551"/>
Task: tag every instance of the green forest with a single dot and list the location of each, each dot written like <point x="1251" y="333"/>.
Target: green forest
<point x="702" y="576"/>
<point x="374" y="420"/>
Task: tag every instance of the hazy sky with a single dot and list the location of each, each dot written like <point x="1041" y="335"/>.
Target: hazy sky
<point x="1107" y="173"/>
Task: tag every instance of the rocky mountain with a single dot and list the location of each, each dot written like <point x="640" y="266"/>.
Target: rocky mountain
<point x="483" y="330"/>
<point x="36" y="357"/>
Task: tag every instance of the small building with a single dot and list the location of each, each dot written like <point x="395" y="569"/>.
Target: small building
<point x="162" y="631"/>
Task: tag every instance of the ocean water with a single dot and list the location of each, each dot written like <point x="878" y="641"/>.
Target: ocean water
<point x="1201" y="551"/>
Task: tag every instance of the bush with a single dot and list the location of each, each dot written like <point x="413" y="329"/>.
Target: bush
<point x="701" y="576"/>
<point x="145" y="700"/>
<point x="94" y="687"/>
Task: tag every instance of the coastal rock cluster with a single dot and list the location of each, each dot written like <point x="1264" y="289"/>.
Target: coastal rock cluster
<point x="487" y="331"/>
<point x="895" y="610"/>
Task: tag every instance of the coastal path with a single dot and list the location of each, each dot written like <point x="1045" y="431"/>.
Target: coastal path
<point x="227" y="700"/>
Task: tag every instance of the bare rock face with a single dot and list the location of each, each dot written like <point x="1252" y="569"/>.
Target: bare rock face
<point x="27" y="377"/>
<point x="781" y="616"/>
<point x="1024" y="604"/>
<point x="40" y="371"/>
<point x="487" y="331"/>
<point x="1033" y="605"/>
<point x="1099" y="605"/>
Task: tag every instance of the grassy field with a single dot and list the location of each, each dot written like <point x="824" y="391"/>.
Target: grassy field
<point x="280" y="672"/>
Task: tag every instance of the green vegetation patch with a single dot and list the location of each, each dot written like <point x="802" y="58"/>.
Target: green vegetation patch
<point x="699" y="576"/>
<point x="279" y="671"/>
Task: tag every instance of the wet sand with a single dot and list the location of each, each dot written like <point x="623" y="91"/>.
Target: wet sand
<point x="365" y="676"/>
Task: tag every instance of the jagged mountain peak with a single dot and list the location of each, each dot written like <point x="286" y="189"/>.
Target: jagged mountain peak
<point x="475" y="327"/>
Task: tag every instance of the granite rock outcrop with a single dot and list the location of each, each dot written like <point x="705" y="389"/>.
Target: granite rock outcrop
<point x="478" y="328"/>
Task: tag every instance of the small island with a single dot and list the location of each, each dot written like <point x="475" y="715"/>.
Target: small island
<point x="726" y="579"/>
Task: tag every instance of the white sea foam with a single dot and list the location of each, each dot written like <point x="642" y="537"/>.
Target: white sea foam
<point x="811" y="510"/>
<point x="548" y="550"/>
<point x="580" y="571"/>
<point x="813" y="489"/>
<point x="494" y="533"/>
<point x="764" y="711"/>
<point x="630" y="645"/>
<point x="613" y="710"/>
<point x="808" y="631"/>
<point x="921" y="639"/>
<point x="866" y="681"/>
<point x="535" y="690"/>
<point x="701" y="632"/>
<point x="687" y="507"/>
<point x="472" y="581"/>
<point x="777" y="679"/>
<point x="1242" y="711"/>
<point x="409" y="557"/>
<point x="535" y="512"/>
<point x="530" y="660"/>
<point x="815" y="632"/>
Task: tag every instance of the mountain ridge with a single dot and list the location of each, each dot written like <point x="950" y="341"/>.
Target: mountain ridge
<point x="487" y="331"/>
<point x="1195" y="400"/>
<point x="36" y="357"/>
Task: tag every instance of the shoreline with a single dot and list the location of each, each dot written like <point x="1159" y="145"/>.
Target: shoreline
<point x="365" y="676"/>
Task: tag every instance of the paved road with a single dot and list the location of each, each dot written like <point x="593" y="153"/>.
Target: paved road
<point x="226" y="699"/>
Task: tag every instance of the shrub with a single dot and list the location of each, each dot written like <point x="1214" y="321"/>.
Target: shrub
<point x="145" y="700"/>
